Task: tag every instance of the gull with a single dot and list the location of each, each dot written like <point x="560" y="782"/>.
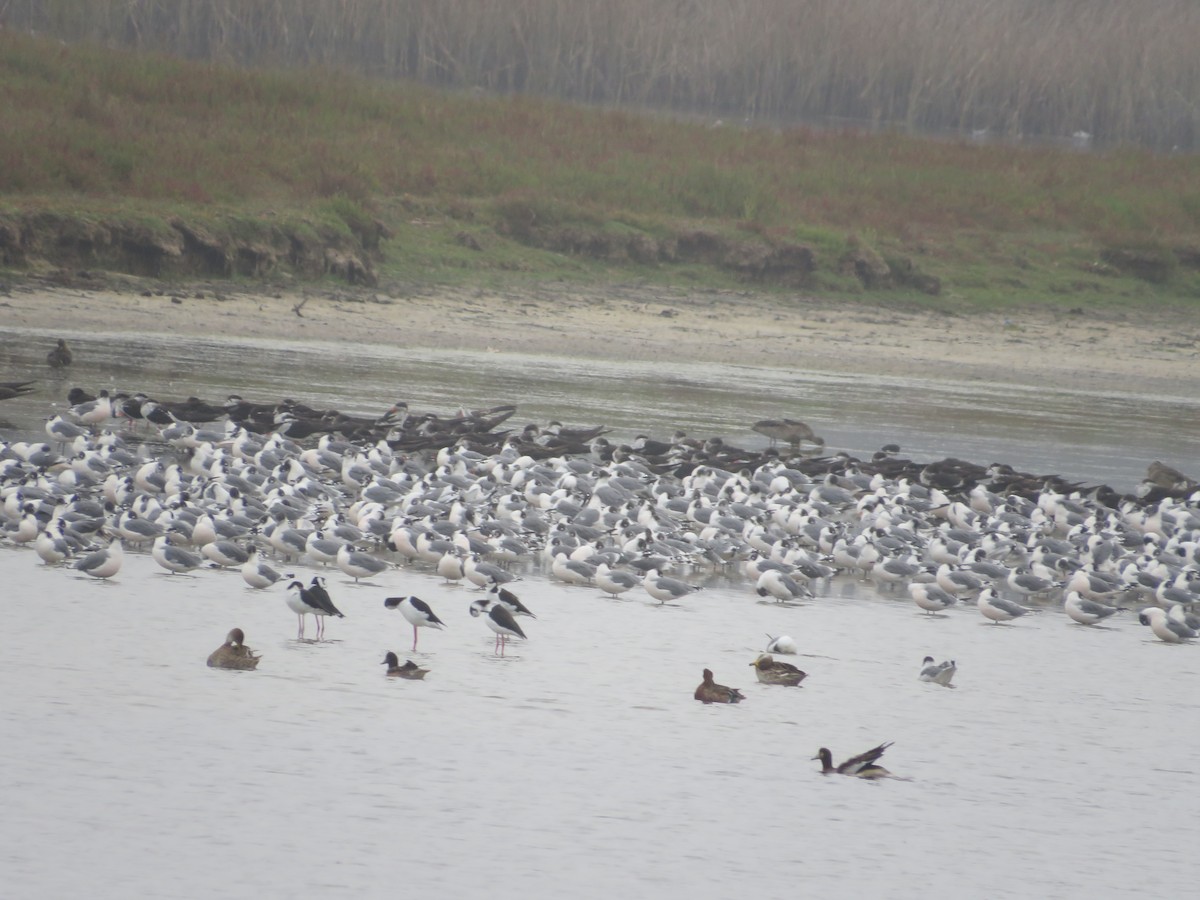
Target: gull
<point x="1164" y="627"/>
<point x="662" y="588"/>
<point x="938" y="673"/>
<point x="1087" y="612"/>
<point x="930" y="597"/>
<point x="997" y="608"/>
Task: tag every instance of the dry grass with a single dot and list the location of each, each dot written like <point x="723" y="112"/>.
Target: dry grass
<point x="82" y="122"/>
<point x="1124" y="71"/>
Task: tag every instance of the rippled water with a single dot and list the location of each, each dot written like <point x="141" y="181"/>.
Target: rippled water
<point x="1060" y="767"/>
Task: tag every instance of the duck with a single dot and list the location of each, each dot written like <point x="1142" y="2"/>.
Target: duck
<point x="771" y="672"/>
<point x="938" y="673"/>
<point x="711" y="692"/>
<point x="234" y="654"/>
<point x="409" y="670"/>
<point x="60" y="356"/>
<point x="862" y="766"/>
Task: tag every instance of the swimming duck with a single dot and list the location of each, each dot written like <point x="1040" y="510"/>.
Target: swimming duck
<point x="771" y="672"/>
<point x="938" y="673"/>
<point x="861" y="766"/>
<point x="233" y="654"/>
<point x="409" y="670"/>
<point x="711" y="692"/>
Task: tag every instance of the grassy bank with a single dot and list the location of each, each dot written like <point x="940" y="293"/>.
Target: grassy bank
<point x="432" y="186"/>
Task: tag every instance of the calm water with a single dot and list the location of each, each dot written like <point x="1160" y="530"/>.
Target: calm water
<point x="1100" y="438"/>
<point x="1060" y="767"/>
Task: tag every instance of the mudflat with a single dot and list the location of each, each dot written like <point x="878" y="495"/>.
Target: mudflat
<point x="1137" y="350"/>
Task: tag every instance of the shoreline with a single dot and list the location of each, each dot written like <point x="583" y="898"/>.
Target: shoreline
<point x="1140" y="351"/>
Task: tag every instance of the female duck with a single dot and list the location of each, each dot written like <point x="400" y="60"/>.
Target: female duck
<point x="234" y="654"/>
<point x="711" y="692"/>
<point x="771" y="672"/>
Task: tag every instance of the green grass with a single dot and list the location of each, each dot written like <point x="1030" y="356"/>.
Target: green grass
<point x="100" y="133"/>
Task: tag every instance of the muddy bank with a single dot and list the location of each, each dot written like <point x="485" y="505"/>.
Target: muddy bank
<point x="1137" y="351"/>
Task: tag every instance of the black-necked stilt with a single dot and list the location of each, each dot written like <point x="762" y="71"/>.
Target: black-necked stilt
<point x="311" y="601"/>
<point x="511" y="602"/>
<point x="417" y="612"/>
<point x="497" y="617"/>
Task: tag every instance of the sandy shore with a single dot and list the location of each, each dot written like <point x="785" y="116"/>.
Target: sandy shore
<point x="1129" y="352"/>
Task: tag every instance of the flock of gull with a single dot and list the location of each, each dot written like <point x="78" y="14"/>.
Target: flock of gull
<point x="475" y="500"/>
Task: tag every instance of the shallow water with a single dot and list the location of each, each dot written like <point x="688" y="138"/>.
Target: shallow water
<point x="579" y="763"/>
<point x="1060" y="767"/>
<point x="1105" y="437"/>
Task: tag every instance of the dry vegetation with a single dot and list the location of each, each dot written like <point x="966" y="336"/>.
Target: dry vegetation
<point x="1124" y="71"/>
<point x="143" y="161"/>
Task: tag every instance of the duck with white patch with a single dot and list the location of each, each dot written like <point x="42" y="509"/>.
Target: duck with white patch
<point x="410" y="670"/>
<point x="771" y="671"/>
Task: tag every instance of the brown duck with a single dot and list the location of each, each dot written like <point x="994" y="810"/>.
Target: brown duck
<point x="233" y="654"/>
<point x="771" y="672"/>
<point x="711" y="692"/>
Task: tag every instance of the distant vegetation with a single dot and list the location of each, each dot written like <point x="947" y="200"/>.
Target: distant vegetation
<point x="1121" y="71"/>
<point x="165" y="167"/>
